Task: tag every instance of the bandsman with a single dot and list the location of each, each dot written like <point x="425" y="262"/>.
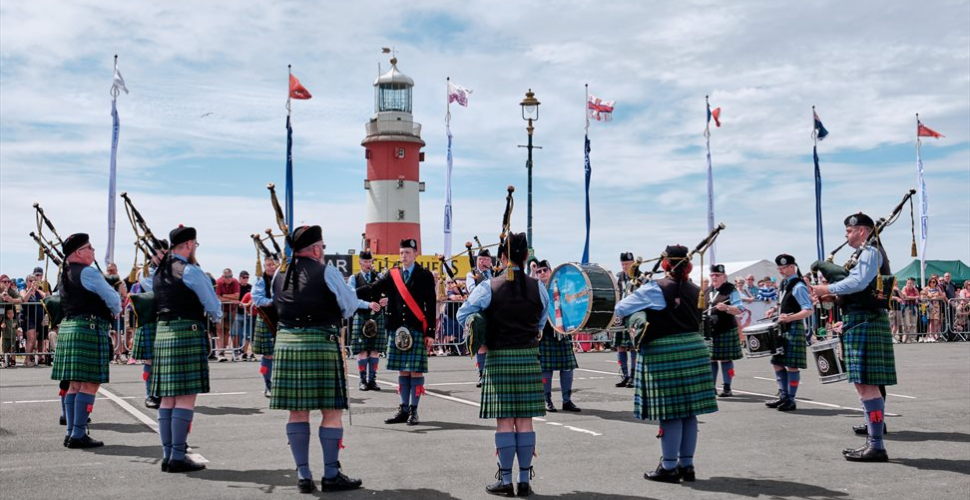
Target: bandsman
<point x="725" y="342"/>
<point x="367" y="347"/>
<point x="626" y="355"/>
<point x="796" y="305"/>
<point x="263" y="338"/>
<point x="481" y="272"/>
<point x="145" y="333"/>
<point x="555" y="354"/>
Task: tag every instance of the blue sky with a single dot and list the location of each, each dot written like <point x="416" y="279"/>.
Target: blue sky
<point x="867" y="66"/>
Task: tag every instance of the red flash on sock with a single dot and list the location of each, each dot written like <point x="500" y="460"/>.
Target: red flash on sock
<point x="544" y="381"/>
<point x="399" y="390"/>
<point x="660" y="433"/>
<point x="190" y="429"/>
<point x="419" y="391"/>
<point x="875" y="416"/>
<point x="793" y="383"/>
<point x="731" y="373"/>
<point x="91" y="410"/>
<point x="144" y="376"/>
<point x="362" y="369"/>
<point x="340" y="444"/>
<point x="263" y="370"/>
<point x="62" y="393"/>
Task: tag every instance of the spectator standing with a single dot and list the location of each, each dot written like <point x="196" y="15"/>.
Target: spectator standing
<point x="8" y="331"/>
<point x="934" y="310"/>
<point x="949" y="289"/>
<point x="227" y="288"/>
<point x="242" y="326"/>
<point x="9" y="294"/>
<point x="910" y="299"/>
<point x="33" y="314"/>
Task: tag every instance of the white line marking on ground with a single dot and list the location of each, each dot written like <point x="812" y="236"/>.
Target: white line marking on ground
<point x="145" y="419"/>
<point x="451" y="383"/>
<point x="119" y="397"/>
<point x="819" y="403"/>
<point x="901" y="396"/>
<point x="595" y="371"/>
<point x="765" y="378"/>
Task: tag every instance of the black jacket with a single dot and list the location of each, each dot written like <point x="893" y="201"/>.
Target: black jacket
<point x="422" y="287"/>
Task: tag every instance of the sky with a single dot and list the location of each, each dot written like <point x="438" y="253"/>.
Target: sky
<point x="203" y="128"/>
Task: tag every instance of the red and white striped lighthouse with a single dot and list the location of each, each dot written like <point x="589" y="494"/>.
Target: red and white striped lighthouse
<point x="393" y="151"/>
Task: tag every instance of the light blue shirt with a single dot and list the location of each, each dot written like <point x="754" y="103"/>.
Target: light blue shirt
<point x="736" y="301"/>
<point x="861" y="275"/>
<point x="470" y="279"/>
<point x="148" y="282"/>
<point x="352" y="285"/>
<point x="259" y="293"/>
<point x="648" y="296"/>
<point x="94" y="281"/>
<point x="800" y="292"/>
<point x="346" y="299"/>
<point x="198" y="282"/>
<point x="479" y="300"/>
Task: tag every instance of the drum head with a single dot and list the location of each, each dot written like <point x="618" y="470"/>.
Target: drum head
<point x="575" y="293"/>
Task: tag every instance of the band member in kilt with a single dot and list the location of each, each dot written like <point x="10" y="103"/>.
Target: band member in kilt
<point x="410" y="317"/>
<point x="516" y="310"/>
<point x="867" y="339"/>
<point x="725" y="342"/>
<point x="83" y="352"/>
<point x="475" y="277"/>
<point x="796" y="305"/>
<point x="184" y="296"/>
<point x="263" y="339"/>
<point x="555" y="354"/>
<point x="623" y="340"/>
<point x="312" y="300"/>
<point x="145" y="333"/>
<point x="367" y="349"/>
<point x="673" y="380"/>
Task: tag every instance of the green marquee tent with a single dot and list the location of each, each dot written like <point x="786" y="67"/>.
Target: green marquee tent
<point x="960" y="272"/>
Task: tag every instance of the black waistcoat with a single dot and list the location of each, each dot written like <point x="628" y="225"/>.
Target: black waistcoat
<point x="173" y="298"/>
<point x="77" y="300"/>
<point x="514" y="312"/>
<point x="722" y="321"/>
<point x="680" y="315"/>
<point x="303" y="298"/>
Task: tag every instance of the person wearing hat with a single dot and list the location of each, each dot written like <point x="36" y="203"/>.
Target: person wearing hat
<point x="673" y="379"/>
<point x="312" y="300"/>
<point x="867" y="341"/>
<point x="367" y="350"/>
<point x="622" y="340"/>
<point x="555" y="353"/>
<point x="89" y="304"/>
<point x="725" y="342"/>
<point x="481" y="272"/>
<point x="410" y="290"/>
<point x="516" y="310"/>
<point x="184" y="297"/>
<point x="263" y="338"/>
<point x="794" y="307"/>
<point x="145" y="333"/>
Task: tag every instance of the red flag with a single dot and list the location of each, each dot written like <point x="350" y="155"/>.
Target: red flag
<point x="297" y="90"/>
<point x="716" y="115"/>
<point x="924" y="131"/>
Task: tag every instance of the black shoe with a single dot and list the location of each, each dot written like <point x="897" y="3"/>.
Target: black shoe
<point x="499" y="489"/>
<point x="164" y="465"/>
<point x="184" y="465"/>
<point x="306" y="485"/>
<point x="211" y="356"/>
<point x="524" y="490"/>
<point x="372" y="386"/>
<point x="776" y="403"/>
<point x="687" y="473"/>
<point x="570" y="406"/>
<point x="84" y="442"/>
<point x="788" y="405"/>
<point x="863" y="429"/>
<point x="340" y="483"/>
<point x="399" y="418"/>
<point x="630" y="383"/>
<point x="67" y="439"/>
<point x="726" y="391"/>
<point x="413" y="416"/>
<point x="663" y="475"/>
<point x="866" y="454"/>
<point x="152" y="402"/>
<point x="363" y="386"/>
<point x="550" y="408"/>
<point x="479" y="384"/>
<point x="624" y="382"/>
<point x="63" y="421"/>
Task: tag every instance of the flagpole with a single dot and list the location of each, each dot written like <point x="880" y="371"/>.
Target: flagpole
<point x="588" y="169"/>
<point x="921" y="184"/>
<point x="710" y="180"/>
<point x="288" y="201"/>
<point x="109" y="253"/>
<point x="447" y="215"/>
<point x="819" y="233"/>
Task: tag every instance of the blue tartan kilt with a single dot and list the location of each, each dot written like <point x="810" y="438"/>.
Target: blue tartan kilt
<point x="179" y="365"/>
<point x="512" y="384"/>
<point x="726" y="346"/>
<point x="308" y="370"/>
<point x="868" y="349"/>
<point x="143" y="341"/>
<point x="557" y="354"/>
<point x="412" y="360"/>
<point x="263" y="340"/>
<point x="795" y="347"/>
<point x="83" y="350"/>
<point x="673" y="378"/>
<point x="359" y="343"/>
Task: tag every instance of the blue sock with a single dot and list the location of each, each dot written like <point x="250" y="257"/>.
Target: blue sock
<point x="505" y="446"/>
<point x="417" y="390"/>
<point x="69" y="399"/>
<point x="266" y="369"/>
<point x="525" y="447"/>
<point x="793" y="380"/>
<point x="480" y="361"/>
<point x="374" y="364"/>
<point x="330" y="438"/>
<point x="181" y="421"/>
<point x="621" y="357"/>
<point x="404" y="387"/>
<point x="781" y="376"/>
<point x="727" y="370"/>
<point x="362" y="369"/>
<point x="165" y="431"/>
<point x="83" y="405"/>
<point x="688" y="442"/>
<point x="547" y="385"/>
<point x="714" y="370"/>
<point x="671" y="434"/>
<point x="298" y="435"/>
<point x="875" y="410"/>
<point x="146" y="375"/>
<point x="566" y="384"/>
<point x="633" y="361"/>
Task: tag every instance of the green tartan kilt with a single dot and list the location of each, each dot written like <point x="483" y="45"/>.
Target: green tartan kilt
<point x="795" y="347"/>
<point x="673" y="378"/>
<point x="623" y="339"/>
<point x="413" y="360"/>
<point x="726" y="346"/>
<point x="262" y="338"/>
<point x="556" y="355"/>
<point x="179" y="364"/>
<point x="143" y="341"/>
<point x="512" y="385"/>
<point x="83" y="350"/>
<point x="359" y="343"/>
<point x="308" y="370"/>
<point x="868" y="349"/>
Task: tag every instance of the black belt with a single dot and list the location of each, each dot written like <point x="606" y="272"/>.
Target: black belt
<point x="283" y="324"/>
<point x="87" y="317"/>
<point x="164" y="317"/>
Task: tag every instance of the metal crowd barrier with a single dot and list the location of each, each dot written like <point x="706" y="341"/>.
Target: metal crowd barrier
<point x="959" y="310"/>
<point x="231" y="338"/>
<point x="925" y="320"/>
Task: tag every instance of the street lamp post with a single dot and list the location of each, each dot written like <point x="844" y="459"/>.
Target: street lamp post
<point x="530" y="113"/>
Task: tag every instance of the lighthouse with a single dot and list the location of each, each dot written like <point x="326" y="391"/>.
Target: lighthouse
<point x="393" y="152"/>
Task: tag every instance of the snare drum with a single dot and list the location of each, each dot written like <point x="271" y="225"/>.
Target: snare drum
<point x="582" y="297"/>
<point x="828" y="360"/>
<point x="763" y="339"/>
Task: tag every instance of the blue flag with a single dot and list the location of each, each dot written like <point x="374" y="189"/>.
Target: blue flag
<point x="589" y="172"/>
<point x="820" y="132"/>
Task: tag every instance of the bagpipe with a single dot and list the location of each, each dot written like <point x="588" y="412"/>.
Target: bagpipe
<point x="146" y="243"/>
<point x="269" y="314"/>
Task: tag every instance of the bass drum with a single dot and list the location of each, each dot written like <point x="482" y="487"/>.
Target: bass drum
<point x="582" y="297"/>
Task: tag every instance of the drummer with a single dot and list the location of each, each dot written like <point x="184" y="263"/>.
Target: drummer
<point x="796" y="305"/>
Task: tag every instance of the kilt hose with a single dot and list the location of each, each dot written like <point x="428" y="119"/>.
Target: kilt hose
<point x="673" y="378"/>
<point x="143" y="341"/>
<point x="512" y="384"/>
<point x="262" y="338"/>
<point x="726" y="346"/>
<point x="412" y="360"/>
<point x="868" y="348"/>
<point x="795" y="348"/>
<point x="179" y="365"/>
<point x="308" y="370"/>
<point x="557" y="355"/>
<point x="359" y="343"/>
<point x="623" y="338"/>
<point x="83" y="350"/>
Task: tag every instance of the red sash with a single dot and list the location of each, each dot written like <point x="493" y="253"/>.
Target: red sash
<point x="408" y="299"/>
